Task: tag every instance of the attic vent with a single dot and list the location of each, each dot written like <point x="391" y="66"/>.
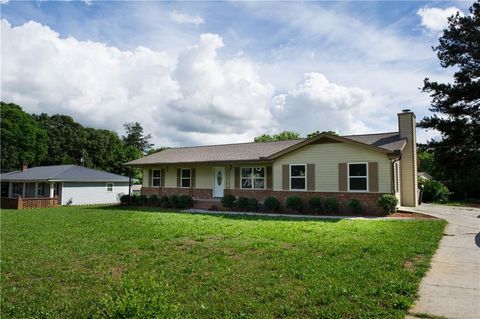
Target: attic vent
<point x="406" y="110"/>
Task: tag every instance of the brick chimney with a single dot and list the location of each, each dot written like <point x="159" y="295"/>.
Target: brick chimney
<point x="24" y="167"/>
<point x="408" y="162"/>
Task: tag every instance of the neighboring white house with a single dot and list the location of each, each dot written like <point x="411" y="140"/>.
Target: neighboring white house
<point x="72" y="184"/>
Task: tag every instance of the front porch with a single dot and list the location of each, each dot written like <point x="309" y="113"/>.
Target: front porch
<point x="29" y="194"/>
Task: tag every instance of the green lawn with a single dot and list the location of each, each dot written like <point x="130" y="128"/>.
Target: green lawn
<point x="96" y="262"/>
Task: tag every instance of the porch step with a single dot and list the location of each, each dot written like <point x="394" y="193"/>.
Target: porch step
<point x="199" y="203"/>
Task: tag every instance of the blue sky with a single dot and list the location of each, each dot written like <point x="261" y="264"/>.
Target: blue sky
<point x="213" y="72"/>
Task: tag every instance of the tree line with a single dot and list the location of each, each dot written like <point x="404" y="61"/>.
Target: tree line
<point x="58" y="139"/>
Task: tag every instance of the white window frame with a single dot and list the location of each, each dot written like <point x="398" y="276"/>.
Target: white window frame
<point x="185" y="178"/>
<point x="107" y="187"/>
<point x="290" y="177"/>
<point x="155" y="178"/>
<point x="253" y="178"/>
<point x="366" y="177"/>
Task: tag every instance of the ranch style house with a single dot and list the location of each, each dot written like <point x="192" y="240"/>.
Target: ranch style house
<point x="363" y="167"/>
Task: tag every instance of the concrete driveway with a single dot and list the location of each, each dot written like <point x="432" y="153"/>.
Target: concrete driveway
<point x="451" y="287"/>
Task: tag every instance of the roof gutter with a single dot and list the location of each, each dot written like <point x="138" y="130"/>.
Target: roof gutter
<point x="259" y="160"/>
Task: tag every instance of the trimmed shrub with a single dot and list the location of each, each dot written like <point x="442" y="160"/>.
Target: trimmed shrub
<point x="124" y="199"/>
<point x="173" y="201"/>
<point x="163" y="202"/>
<point x="242" y="203"/>
<point x="434" y="191"/>
<point x="294" y="202"/>
<point x="315" y="204"/>
<point x="229" y="201"/>
<point x="185" y="201"/>
<point x="134" y="199"/>
<point x="142" y="200"/>
<point x="331" y="205"/>
<point x="356" y="206"/>
<point x="153" y="200"/>
<point x="388" y="202"/>
<point x="271" y="204"/>
<point x="253" y="204"/>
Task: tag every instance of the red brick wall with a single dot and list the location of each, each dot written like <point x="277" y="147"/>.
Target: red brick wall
<point x="368" y="200"/>
<point x="27" y="203"/>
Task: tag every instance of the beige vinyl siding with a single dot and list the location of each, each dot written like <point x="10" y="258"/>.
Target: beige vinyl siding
<point x="146" y="177"/>
<point x="326" y="158"/>
<point x="203" y="175"/>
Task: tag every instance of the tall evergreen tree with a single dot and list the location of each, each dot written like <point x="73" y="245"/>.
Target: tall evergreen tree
<point x="456" y="105"/>
<point x="136" y="138"/>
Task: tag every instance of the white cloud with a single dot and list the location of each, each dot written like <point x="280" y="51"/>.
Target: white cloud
<point x="435" y="19"/>
<point x="186" y="18"/>
<point x="4" y="1"/>
<point x="194" y="98"/>
<point x="318" y="104"/>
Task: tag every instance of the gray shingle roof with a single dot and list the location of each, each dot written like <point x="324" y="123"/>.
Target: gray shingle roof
<point x="63" y="173"/>
<point x="215" y="153"/>
<point x="390" y="141"/>
<point x="254" y="151"/>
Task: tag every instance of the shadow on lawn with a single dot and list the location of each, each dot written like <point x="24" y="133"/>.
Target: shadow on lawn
<point x="240" y="216"/>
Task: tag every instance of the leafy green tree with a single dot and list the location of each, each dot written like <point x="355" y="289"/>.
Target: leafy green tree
<point x="66" y="139"/>
<point x="23" y="140"/>
<point x="156" y="150"/>
<point x="263" y="138"/>
<point x="283" y="136"/>
<point x="106" y="151"/>
<point x="136" y="137"/>
<point x="427" y="164"/>
<point x="457" y="103"/>
<point x="313" y="134"/>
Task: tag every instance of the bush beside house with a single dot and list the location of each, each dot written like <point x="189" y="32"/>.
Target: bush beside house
<point x="434" y="191"/>
<point x="173" y="201"/>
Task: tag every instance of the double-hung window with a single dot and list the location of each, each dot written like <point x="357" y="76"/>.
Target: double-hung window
<point x="156" y="178"/>
<point x="186" y="177"/>
<point x="253" y="177"/>
<point x="109" y="187"/>
<point x="358" y="177"/>
<point x="298" y="176"/>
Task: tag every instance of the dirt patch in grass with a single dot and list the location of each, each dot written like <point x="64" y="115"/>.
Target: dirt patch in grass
<point x="402" y="214"/>
<point x="117" y="272"/>
<point x="411" y="265"/>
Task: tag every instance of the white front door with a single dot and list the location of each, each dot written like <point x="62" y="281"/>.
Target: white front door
<point x="218" y="181"/>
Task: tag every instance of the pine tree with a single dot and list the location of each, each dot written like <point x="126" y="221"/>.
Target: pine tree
<point x="456" y="105"/>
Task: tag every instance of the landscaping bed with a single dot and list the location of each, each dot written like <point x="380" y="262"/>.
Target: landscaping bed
<point x="115" y="262"/>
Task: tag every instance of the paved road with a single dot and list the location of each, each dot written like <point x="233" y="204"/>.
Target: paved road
<point x="451" y="288"/>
